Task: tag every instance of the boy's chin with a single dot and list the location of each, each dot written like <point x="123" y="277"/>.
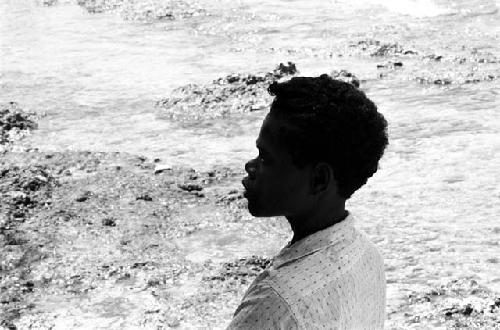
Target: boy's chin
<point x="258" y="214"/>
<point x="258" y="211"/>
<point x="253" y="208"/>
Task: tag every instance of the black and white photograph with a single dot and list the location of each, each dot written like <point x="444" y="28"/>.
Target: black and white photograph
<point x="249" y="164"/>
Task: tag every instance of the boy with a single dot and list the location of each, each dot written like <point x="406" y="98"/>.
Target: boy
<point x="320" y="142"/>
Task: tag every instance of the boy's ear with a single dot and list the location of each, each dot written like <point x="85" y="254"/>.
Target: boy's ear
<point x="322" y="178"/>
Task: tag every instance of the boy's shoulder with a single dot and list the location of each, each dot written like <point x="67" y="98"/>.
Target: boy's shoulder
<point x="327" y="284"/>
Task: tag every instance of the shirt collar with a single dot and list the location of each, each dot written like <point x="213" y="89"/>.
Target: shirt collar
<point x="319" y="240"/>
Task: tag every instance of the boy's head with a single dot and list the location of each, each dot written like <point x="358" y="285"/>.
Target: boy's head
<point x="323" y="138"/>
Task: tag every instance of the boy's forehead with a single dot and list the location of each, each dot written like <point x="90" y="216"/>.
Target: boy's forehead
<point x="269" y="133"/>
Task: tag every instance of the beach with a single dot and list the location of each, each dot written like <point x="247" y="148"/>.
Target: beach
<point x="126" y="125"/>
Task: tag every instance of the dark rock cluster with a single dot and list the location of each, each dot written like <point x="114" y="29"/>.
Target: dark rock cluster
<point x="119" y="210"/>
<point x="22" y="189"/>
<point x="14" y="123"/>
<point x="99" y="6"/>
<point x="378" y="48"/>
<point x="161" y="10"/>
<point x="473" y="66"/>
<point x="243" y="269"/>
<point x="390" y="65"/>
<point x="302" y="51"/>
<point x="345" y="76"/>
<point x="48" y="3"/>
<point x="459" y="304"/>
<point x="145" y="11"/>
<point x="435" y="81"/>
<point x="235" y="93"/>
<point x="478" y="56"/>
<point x="471" y="78"/>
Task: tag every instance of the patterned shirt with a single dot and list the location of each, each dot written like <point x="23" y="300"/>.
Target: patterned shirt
<point x="332" y="279"/>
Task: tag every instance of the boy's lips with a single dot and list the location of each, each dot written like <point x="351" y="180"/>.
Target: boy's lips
<point x="247" y="187"/>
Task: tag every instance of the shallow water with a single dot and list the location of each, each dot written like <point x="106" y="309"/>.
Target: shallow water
<point x="433" y="206"/>
<point x="98" y="76"/>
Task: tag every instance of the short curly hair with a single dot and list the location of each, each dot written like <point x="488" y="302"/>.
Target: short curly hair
<point x="332" y="121"/>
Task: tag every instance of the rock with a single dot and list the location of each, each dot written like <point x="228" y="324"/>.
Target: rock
<point x="390" y="65"/>
<point x="386" y="49"/>
<point x="230" y="197"/>
<point x="84" y="196"/>
<point x="479" y="56"/>
<point x="285" y="70"/>
<point x="465" y="310"/>
<point x="434" y="57"/>
<point x="345" y="76"/>
<point x="472" y="78"/>
<point x="199" y="194"/>
<point x="444" y="81"/>
<point x="22" y="189"/>
<point x="139" y="264"/>
<point x="243" y="267"/>
<point x="462" y="301"/>
<point x="378" y="48"/>
<point x="160" y="168"/>
<point x="152" y="311"/>
<point x="144" y="197"/>
<point x="495" y="305"/>
<point x="302" y="51"/>
<point x="235" y="93"/>
<point x="161" y="10"/>
<point x="173" y="322"/>
<point x="48" y="3"/>
<point x="434" y="81"/>
<point x="99" y="6"/>
<point x="152" y="10"/>
<point x="147" y="166"/>
<point x="109" y="222"/>
<point x="116" y="167"/>
<point x="15" y="123"/>
<point x="190" y="186"/>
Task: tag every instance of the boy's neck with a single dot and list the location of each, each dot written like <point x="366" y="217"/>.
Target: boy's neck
<point x="305" y="226"/>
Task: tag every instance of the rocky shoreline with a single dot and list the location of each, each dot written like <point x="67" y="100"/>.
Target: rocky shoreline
<point x="76" y="225"/>
<point x="103" y="238"/>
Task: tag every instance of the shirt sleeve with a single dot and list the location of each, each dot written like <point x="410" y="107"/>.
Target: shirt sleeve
<point x="262" y="308"/>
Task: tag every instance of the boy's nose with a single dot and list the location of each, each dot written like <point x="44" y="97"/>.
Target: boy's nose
<point x="250" y="168"/>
